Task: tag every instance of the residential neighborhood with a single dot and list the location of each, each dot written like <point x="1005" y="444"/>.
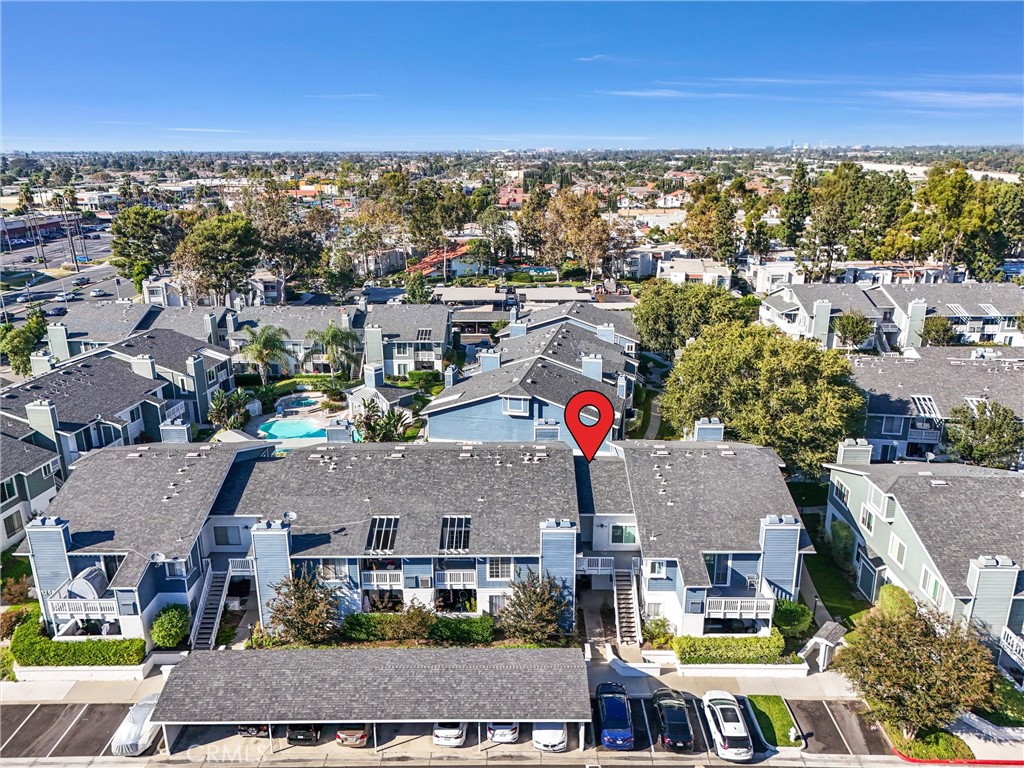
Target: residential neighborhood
<point x="645" y="388"/>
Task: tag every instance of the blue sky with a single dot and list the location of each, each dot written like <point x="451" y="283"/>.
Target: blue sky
<point x="323" y="76"/>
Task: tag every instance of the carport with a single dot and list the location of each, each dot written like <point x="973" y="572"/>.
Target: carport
<point x="375" y="686"/>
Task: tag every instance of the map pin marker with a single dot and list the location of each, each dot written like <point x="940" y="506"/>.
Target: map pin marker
<point x="589" y="436"/>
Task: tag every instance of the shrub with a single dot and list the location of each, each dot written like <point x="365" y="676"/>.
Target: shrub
<point x="424" y="379"/>
<point x="841" y="542"/>
<point x="658" y="632"/>
<point x="7" y="665"/>
<point x="15" y="591"/>
<point x="520" y="277"/>
<point x="894" y="602"/>
<point x="792" y="618"/>
<point x="730" y="650"/>
<point x="935" y="745"/>
<point x="464" y="631"/>
<point x="32" y="648"/>
<point x="170" y="626"/>
<point x="10" y="619"/>
<point x="365" y="627"/>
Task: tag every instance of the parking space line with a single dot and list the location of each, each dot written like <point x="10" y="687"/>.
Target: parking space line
<point x="705" y="732"/>
<point x="15" y="732"/>
<point x="111" y="739"/>
<point x="67" y="730"/>
<point x="647" y="725"/>
<point x="838" y="729"/>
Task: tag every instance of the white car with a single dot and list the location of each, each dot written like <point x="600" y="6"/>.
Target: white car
<point x="136" y="732"/>
<point x="503" y="733"/>
<point x="23" y="298"/>
<point x="550" y="737"/>
<point x="728" y="729"/>
<point x="64" y="296"/>
<point x="450" y="734"/>
<point x="97" y="292"/>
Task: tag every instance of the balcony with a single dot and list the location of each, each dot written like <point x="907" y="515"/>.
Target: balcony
<point x="924" y="435"/>
<point x="241" y="566"/>
<point x="61" y="605"/>
<point x="889" y="327"/>
<point x="595" y="566"/>
<point x="732" y="603"/>
<point x="454" y="579"/>
<point x="175" y="410"/>
<point x="1012" y="645"/>
<point x="381" y="579"/>
<point x="425" y="357"/>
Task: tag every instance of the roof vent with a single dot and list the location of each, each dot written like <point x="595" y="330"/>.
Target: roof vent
<point x="728" y="453"/>
<point x="938" y="481"/>
<point x="133" y="456"/>
<point x="194" y="455"/>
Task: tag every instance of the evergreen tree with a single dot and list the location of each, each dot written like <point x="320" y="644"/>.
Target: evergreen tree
<point x="535" y="610"/>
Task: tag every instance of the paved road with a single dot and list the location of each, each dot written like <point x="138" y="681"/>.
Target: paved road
<point x="60" y="730"/>
<point x="101" y="276"/>
<point x="57" y="251"/>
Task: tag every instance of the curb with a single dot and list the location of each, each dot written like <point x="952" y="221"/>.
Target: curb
<point x="919" y="761"/>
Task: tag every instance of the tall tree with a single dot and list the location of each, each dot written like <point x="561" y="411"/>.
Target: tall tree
<point x="769" y="390"/>
<point x="668" y="315"/>
<point x="416" y="291"/>
<point x="989" y="434"/>
<point x="530" y="220"/>
<point x="698" y="236"/>
<point x="143" y="242"/>
<point x="336" y="344"/>
<point x="218" y="256"/>
<point x="796" y="206"/>
<point x="264" y="346"/>
<point x="573" y="225"/>
<point x="304" y="610"/>
<point x="937" y="332"/>
<point x="853" y="328"/>
<point x="726" y="240"/>
<point x="535" y="609"/>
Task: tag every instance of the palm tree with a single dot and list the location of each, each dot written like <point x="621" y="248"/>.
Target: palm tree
<point x="338" y="345"/>
<point x="263" y="347"/>
<point x="377" y="427"/>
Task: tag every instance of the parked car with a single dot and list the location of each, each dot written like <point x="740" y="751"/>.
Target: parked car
<point x="303" y="734"/>
<point x="27" y="259"/>
<point x="550" y="737"/>
<point x="136" y="732"/>
<point x="674" y="730"/>
<point x="6" y="317"/>
<point x="728" y="730"/>
<point x="503" y="733"/>
<point x="352" y="734"/>
<point x="253" y="730"/>
<point x="68" y="296"/>
<point x="97" y="292"/>
<point x="23" y="298"/>
<point x="616" y="720"/>
<point x="80" y="281"/>
<point x="449" y="734"/>
<point x="56" y="311"/>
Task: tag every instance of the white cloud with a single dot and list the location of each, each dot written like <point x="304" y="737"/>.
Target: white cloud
<point x="951" y="99"/>
<point x="206" y="130"/>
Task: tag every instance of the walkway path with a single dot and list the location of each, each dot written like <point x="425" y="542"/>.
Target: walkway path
<point x="655" y="422"/>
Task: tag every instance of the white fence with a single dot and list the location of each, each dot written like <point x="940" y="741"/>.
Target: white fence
<point x="382" y="579"/>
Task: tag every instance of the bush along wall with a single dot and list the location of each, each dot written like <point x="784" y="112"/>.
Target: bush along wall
<point x="730" y="650"/>
<point x="33" y="648"/>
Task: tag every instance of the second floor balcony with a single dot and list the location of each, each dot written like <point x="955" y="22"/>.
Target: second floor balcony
<point x="63" y="605"/>
<point x="752" y="602"/>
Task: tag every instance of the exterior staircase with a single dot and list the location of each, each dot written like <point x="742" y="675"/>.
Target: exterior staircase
<point x="625" y="608"/>
<point x="209" y="614"/>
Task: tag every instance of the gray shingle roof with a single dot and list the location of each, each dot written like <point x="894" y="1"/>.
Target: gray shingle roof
<point x="467" y="295"/>
<point x="190" y="321"/>
<point x="712" y="502"/>
<point x="583" y="312"/>
<point x="844" y="298"/>
<point x="104" y="321"/>
<point x="1007" y="298"/>
<point x="528" y="378"/>
<point x="170" y="349"/>
<point x="507" y="502"/>
<point x="296" y="320"/>
<point x="402" y="322"/>
<point x="377" y="685"/>
<point x="564" y="343"/>
<point x="17" y="456"/>
<point x="98" y="384"/>
<point x="948" y="376"/>
<point x="602" y="487"/>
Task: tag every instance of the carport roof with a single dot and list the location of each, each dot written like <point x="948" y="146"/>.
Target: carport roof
<point x="376" y="685"/>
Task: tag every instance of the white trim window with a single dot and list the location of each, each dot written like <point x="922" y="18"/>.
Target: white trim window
<point x="175" y="569"/>
<point x="655" y="610"/>
<point x="932" y="587"/>
<point x="226" y="536"/>
<point x="333" y="569"/>
<point x="897" y="550"/>
<point x="718" y="568"/>
<point x="656" y="569"/>
<point x="499" y="569"/>
<point x="515" y="406"/>
<point x="8" y="490"/>
<point x="892" y="425"/>
<point x="841" y="490"/>
<point x="867" y="518"/>
<point x="13" y="523"/>
<point x="624" y="534"/>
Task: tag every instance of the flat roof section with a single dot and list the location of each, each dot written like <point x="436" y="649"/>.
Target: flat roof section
<point x="376" y="686"/>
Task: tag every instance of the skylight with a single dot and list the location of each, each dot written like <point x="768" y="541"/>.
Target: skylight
<point x="424" y="334"/>
<point x="925" y="405"/>
<point x="381" y="538"/>
<point x="455" y="534"/>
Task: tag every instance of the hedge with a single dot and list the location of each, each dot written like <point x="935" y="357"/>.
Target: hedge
<point x="32" y="648"/>
<point x="468" y="631"/>
<point x="170" y="626"/>
<point x="793" y="619"/>
<point x="730" y="650"/>
<point x="10" y="619"/>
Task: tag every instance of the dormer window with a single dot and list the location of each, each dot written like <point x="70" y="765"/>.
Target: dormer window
<point x="656" y="569"/>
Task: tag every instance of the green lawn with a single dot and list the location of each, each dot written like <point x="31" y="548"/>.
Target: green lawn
<point x="666" y="431"/>
<point x="809" y="494"/>
<point x="936" y="745"/>
<point x="644" y="400"/>
<point x="12" y="567"/>
<point x="774" y="720"/>
<point x="1007" y="705"/>
<point x="835" y="590"/>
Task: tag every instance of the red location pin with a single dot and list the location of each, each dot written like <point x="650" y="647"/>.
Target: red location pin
<point x="589" y="436"/>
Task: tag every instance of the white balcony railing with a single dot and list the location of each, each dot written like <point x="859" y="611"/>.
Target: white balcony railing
<point x="175" y="411"/>
<point x="739" y="607"/>
<point x="240" y="566"/>
<point x="889" y="327"/>
<point x="1012" y="645"/>
<point x="84" y="609"/>
<point x="454" y="579"/>
<point x="924" y="435"/>
<point x="595" y="566"/>
<point x="425" y="357"/>
<point x="382" y="579"/>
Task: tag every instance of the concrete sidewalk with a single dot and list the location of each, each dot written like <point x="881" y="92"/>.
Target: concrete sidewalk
<point x="83" y="691"/>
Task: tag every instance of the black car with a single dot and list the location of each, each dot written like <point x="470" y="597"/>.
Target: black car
<point x="674" y="730"/>
<point x="253" y="730"/>
<point x="6" y="317"/>
<point x="303" y="733"/>
<point x="56" y="311"/>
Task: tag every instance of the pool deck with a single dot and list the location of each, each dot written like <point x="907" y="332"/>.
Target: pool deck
<point x="310" y="413"/>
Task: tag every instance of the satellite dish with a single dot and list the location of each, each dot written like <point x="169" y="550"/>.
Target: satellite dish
<point x="289" y="516"/>
<point x="157" y="557"/>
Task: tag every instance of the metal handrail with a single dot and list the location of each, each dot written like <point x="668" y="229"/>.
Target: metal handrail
<point x="202" y="601"/>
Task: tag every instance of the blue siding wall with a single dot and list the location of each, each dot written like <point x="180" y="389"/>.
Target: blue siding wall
<point x="147" y="585"/>
<point x="49" y="555"/>
<point x="743" y="564"/>
<point x="779" y="565"/>
<point x="1016" y="622"/>
<point x="558" y="559"/>
<point x="270" y="550"/>
<point x="525" y="564"/>
<point x="79" y="563"/>
<point x="667" y="584"/>
<point x="691" y="596"/>
<point x="418" y="566"/>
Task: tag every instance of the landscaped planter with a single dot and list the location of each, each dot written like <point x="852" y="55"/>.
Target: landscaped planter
<point x="119" y="672"/>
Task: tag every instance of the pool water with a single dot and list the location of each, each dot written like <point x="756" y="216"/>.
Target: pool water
<point x="302" y="402"/>
<point x="283" y="429"/>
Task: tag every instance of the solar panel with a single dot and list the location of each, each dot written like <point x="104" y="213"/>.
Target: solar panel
<point x="423" y="334"/>
<point x="455" y="533"/>
<point x="381" y="538"/>
<point x="925" y="405"/>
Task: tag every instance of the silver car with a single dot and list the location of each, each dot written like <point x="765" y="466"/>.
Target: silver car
<point x="137" y="732"/>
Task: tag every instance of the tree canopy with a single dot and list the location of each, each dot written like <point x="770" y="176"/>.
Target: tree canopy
<point x="218" y="256"/>
<point x="989" y="434"/>
<point x="668" y="315"/>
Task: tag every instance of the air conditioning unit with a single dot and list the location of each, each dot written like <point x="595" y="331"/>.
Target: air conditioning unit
<point x="423" y="582"/>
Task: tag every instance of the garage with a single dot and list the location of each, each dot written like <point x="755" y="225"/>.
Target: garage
<point x="394" y="691"/>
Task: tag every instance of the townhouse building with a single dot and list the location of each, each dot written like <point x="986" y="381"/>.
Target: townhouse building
<point x="809" y="311"/>
<point x="29" y="478"/>
<point x="263" y="287"/>
<point x="949" y="534"/>
<point x="704" y="271"/>
<point x="407" y="337"/>
<point x="910" y="397"/>
<point x="607" y="324"/>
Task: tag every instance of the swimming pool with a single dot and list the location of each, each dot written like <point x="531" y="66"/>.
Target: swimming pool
<point x="283" y="429"/>
<point x="302" y="402"/>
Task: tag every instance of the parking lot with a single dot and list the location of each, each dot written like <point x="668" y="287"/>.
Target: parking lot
<point x="838" y="728"/>
<point x="60" y="730"/>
